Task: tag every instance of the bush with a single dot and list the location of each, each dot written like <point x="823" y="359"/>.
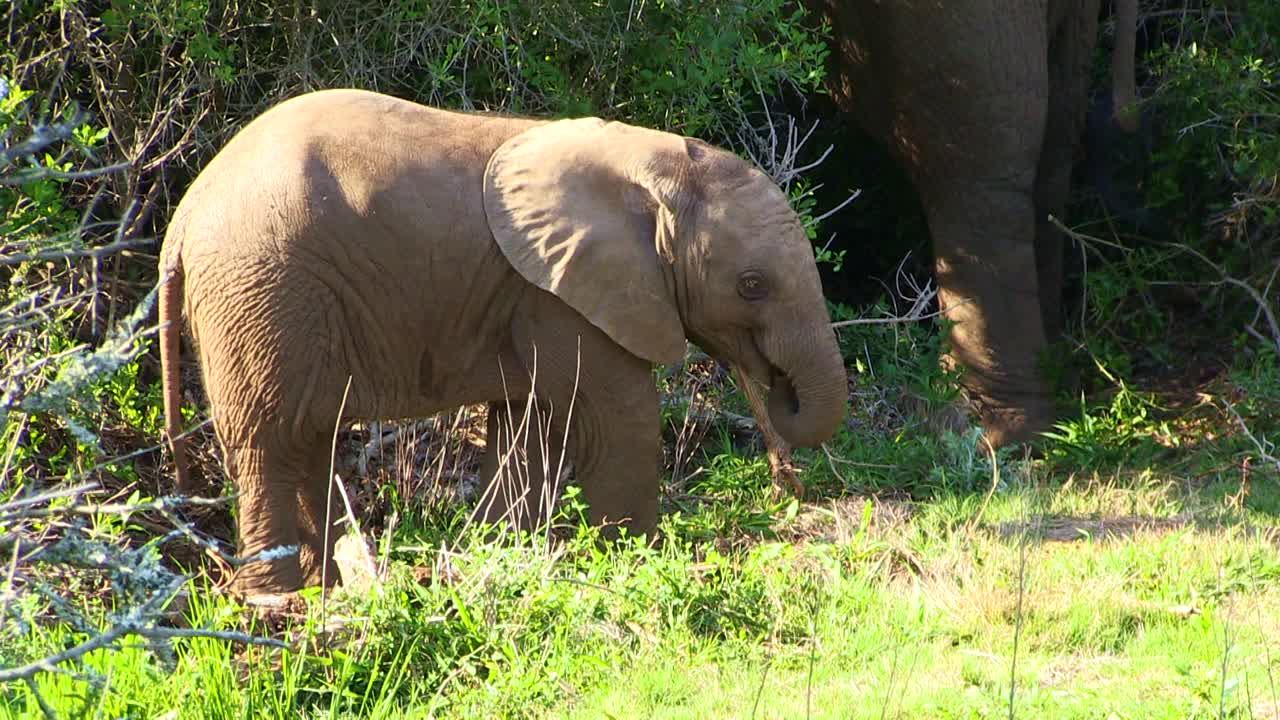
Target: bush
<point x="1210" y="173"/>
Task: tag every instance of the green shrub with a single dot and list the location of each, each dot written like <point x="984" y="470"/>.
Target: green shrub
<point x="1212" y="175"/>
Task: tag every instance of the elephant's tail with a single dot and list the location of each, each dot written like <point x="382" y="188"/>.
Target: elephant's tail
<point x="171" y="366"/>
<point x="1123" y="83"/>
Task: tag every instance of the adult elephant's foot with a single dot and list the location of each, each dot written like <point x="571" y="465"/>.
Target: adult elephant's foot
<point x="1004" y="425"/>
<point x="275" y="613"/>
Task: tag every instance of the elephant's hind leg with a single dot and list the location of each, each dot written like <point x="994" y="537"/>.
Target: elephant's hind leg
<point x="318" y="529"/>
<point x="282" y="494"/>
<point x="268" y="520"/>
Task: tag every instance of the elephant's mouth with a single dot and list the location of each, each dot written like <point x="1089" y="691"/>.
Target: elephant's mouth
<point x="762" y="368"/>
<point x="780" y="382"/>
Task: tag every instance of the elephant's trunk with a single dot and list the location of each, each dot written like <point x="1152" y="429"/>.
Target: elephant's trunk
<point x="808" y="392"/>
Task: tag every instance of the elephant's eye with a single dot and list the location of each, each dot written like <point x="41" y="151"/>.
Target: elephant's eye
<point x="752" y="286"/>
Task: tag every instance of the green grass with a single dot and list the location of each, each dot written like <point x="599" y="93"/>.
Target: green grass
<point x="1129" y="569"/>
<point x="1125" y="599"/>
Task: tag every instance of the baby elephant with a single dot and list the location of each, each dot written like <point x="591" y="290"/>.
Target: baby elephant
<point x="431" y="259"/>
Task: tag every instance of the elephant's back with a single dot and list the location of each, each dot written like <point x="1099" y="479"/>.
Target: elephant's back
<point x="344" y="147"/>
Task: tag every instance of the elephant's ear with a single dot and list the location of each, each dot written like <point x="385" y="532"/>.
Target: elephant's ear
<point x="586" y="210"/>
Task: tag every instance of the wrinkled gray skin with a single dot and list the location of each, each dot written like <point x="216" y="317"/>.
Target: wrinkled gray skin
<point x="439" y="259"/>
<point x="984" y="103"/>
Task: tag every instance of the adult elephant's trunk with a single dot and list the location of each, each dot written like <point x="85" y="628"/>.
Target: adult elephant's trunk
<point x="808" y="392"/>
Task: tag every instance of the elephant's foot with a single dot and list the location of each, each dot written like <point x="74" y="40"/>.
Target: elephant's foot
<point x="318" y="570"/>
<point x="1004" y="426"/>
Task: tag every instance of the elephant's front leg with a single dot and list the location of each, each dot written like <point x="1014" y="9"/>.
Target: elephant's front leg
<point x="617" y="443"/>
<point x="615" y="436"/>
<point x="986" y="266"/>
<point x="609" y="400"/>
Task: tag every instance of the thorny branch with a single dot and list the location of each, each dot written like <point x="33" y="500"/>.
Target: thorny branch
<point x="48" y="530"/>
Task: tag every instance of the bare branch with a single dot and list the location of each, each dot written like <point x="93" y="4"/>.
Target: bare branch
<point x="70" y="253"/>
<point x="923" y="296"/>
<point x="1264" y="447"/>
<point x="35" y="174"/>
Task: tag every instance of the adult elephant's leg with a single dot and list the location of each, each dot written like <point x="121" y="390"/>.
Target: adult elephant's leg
<point x="980" y="141"/>
<point x="1070" y="54"/>
<point x="985" y="263"/>
<point x="522" y="464"/>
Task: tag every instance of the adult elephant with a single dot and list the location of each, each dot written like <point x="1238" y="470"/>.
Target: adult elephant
<point x="983" y="103"/>
<point x="433" y="259"/>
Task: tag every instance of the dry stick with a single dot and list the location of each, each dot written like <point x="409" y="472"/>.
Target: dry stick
<point x="69" y="253"/>
<point x="1017" y="627"/>
<point x="684" y="436"/>
<point x="328" y="507"/>
<point x="995" y="482"/>
<point x="813" y="652"/>
<point x="507" y="479"/>
<point x="47" y="496"/>
<point x="896" y="320"/>
<point x="518" y="495"/>
<point x="831" y="463"/>
<point x="906" y="680"/>
<point x="490" y="494"/>
<point x="34" y="174"/>
<point x="1263" y="305"/>
<point x="764" y="676"/>
<point x="159" y="504"/>
<point x="564" y="441"/>
<point x="45" y="708"/>
<point x="1226" y="652"/>
<point x="366" y="562"/>
<point x="1266" y="654"/>
<point x="433" y="468"/>
<point x="13" y="573"/>
<point x="129" y="627"/>
<point x="893" y="673"/>
<point x="384" y="554"/>
<point x="853" y="196"/>
<point x="831" y="457"/>
<point x="1260" y="299"/>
